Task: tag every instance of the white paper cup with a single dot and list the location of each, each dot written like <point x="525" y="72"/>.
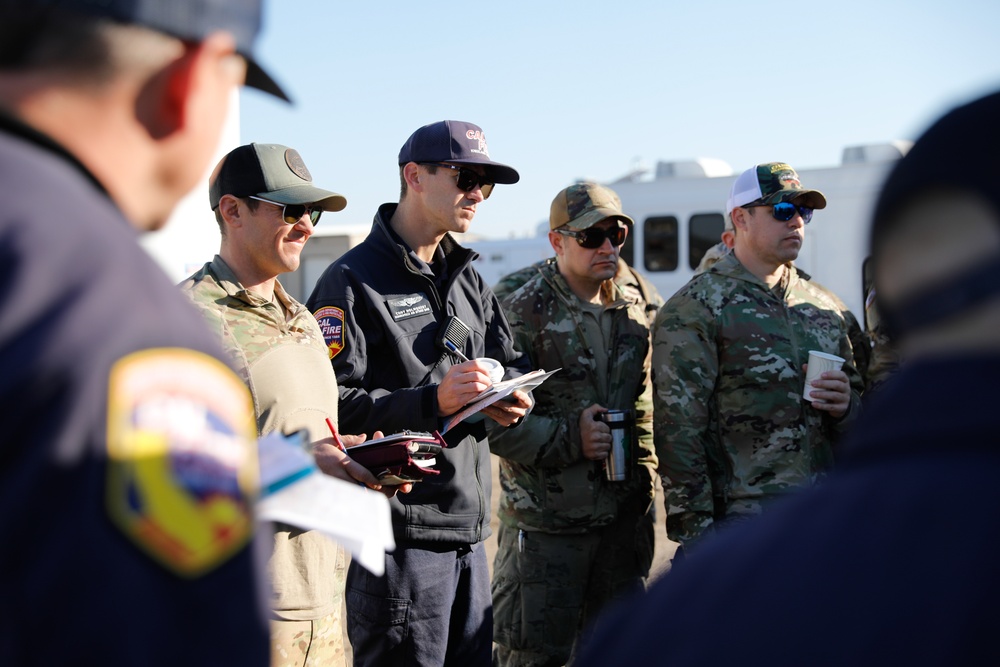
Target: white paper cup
<point x="496" y="368"/>
<point x="819" y="363"/>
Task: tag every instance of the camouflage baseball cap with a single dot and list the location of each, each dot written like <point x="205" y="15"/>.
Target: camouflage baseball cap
<point x="271" y="171"/>
<point x="584" y="204"/>
<point x="770" y="183"/>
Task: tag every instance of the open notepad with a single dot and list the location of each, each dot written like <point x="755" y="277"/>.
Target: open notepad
<point x="497" y="392"/>
<point x="403" y="457"/>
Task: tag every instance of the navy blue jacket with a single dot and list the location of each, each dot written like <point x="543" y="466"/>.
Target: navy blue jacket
<point x="891" y="561"/>
<point x="77" y="296"/>
<point x="388" y="365"/>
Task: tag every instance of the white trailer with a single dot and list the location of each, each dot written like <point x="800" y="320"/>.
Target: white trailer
<point x="679" y="215"/>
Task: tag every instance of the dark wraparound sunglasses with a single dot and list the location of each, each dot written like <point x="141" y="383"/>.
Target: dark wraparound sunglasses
<point x="292" y="213"/>
<point x="468" y="179"/>
<point x="786" y="210"/>
<point x="593" y="237"/>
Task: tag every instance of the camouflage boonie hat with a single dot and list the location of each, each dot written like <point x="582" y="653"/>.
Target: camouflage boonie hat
<point x="770" y="183"/>
<point x="584" y="204"/>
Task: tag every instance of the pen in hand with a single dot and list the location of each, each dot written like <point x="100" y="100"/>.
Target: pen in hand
<point x="454" y="350"/>
<point x="336" y="438"/>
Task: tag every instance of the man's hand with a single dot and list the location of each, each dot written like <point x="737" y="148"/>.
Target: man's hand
<point x="833" y="388"/>
<point x="337" y="464"/>
<point x="506" y="411"/>
<point x="595" y="436"/>
<point x="462" y="383"/>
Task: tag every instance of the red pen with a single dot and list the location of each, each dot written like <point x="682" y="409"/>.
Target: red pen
<point x="336" y="438"/>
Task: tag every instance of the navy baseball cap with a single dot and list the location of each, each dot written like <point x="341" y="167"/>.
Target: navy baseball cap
<point x="188" y="20"/>
<point x="457" y="142"/>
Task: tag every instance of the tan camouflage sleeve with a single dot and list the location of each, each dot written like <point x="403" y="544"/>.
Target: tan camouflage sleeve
<point x="685" y="366"/>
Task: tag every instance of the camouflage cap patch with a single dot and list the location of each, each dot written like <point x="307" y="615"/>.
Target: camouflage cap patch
<point x="584" y="204"/>
<point x="770" y="183"/>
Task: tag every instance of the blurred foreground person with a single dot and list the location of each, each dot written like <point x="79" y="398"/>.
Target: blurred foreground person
<point x="892" y="560"/>
<point x="128" y="466"/>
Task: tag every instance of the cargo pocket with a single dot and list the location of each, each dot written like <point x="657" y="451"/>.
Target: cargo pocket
<point x="379" y="624"/>
<point x="518" y="592"/>
<point x="645" y="543"/>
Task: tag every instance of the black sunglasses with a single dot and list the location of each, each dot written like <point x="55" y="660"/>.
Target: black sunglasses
<point x="468" y="179"/>
<point x="292" y="213"/>
<point x="785" y="211"/>
<point x="593" y="237"/>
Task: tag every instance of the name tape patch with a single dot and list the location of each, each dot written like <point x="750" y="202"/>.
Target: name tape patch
<point x="411" y="305"/>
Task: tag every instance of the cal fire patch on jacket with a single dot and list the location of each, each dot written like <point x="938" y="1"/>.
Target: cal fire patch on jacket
<point x="331" y="323"/>
<point x="182" y="458"/>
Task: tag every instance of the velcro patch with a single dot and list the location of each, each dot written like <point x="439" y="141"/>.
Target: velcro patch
<point x="411" y="305"/>
<point x="182" y="458"/>
<point x="331" y="323"/>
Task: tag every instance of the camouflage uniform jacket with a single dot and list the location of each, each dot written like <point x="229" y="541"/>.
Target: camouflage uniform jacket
<point x="633" y="284"/>
<point x="732" y="429"/>
<point x="547" y="484"/>
<point x="287" y="369"/>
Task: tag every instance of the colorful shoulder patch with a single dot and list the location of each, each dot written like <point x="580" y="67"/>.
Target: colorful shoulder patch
<point x="331" y="323"/>
<point x="182" y="458"/>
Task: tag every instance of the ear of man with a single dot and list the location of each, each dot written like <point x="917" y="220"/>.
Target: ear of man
<point x="412" y="176"/>
<point x="180" y="94"/>
<point x="182" y="108"/>
<point x="739" y="217"/>
<point x="230" y="209"/>
<point x="556" y="240"/>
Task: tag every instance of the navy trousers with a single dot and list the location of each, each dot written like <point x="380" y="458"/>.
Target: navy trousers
<point x="432" y="607"/>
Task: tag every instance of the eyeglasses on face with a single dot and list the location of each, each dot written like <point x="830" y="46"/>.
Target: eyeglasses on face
<point x="292" y="213"/>
<point x="785" y="211"/>
<point x="468" y="179"/>
<point x="593" y="237"/>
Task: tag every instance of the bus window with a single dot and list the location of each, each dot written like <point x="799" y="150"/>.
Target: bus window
<point x="660" y="243"/>
<point x="704" y="230"/>
<point x="627" y="252"/>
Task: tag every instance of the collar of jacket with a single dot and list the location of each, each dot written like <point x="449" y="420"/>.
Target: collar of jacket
<point x="18" y="128"/>
<point x="455" y="255"/>
<point x="550" y="273"/>
<point x="227" y="280"/>
<point x="730" y="267"/>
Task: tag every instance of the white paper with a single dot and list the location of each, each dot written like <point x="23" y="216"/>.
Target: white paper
<point x="296" y="492"/>
<point x="355" y="517"/>
<point x="499" y="391"/>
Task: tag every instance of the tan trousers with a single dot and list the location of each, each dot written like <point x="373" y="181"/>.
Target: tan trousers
<point x="317" y="643"/>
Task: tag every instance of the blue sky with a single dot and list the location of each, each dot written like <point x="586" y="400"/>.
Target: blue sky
<point x="568" y="90"/>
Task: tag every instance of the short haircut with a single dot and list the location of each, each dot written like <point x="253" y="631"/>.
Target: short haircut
<point x="252" y="204"/>
<point x="87" y="51"/>
<point x="431" y="169"/>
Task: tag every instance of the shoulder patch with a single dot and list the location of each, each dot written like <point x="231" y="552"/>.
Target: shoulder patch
<point x="331" y="323"/>
<point x="182" y="458"/>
